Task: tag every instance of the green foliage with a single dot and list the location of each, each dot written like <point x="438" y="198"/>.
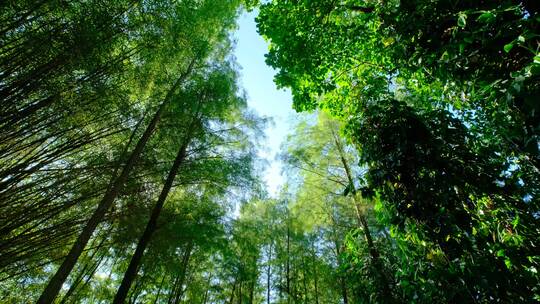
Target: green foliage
<point x="416" y="180"/>
<point x="80" y="83"/>
<point x="438" y="99"/>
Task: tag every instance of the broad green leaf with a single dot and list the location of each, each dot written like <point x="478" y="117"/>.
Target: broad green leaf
<point x="462" y="20"/>
<point x="486" y="17"/>
<point x="508" y="47"/>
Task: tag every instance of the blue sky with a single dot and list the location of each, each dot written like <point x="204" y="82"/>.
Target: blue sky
<point x="263" y="96"/>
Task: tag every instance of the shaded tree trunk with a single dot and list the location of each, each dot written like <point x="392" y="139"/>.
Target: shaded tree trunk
<point x="55" y="284"/>
<point x="288" y="266"/>
<point x="131" y="271"/>
<point x="183" y="272"/>
<point x="240" y="293"/>
<point x="315" y="275"/>
<point x="251" y="290"/>
<point x="207" y="290"/>
<point x="342" y="284"/>
<point x="268" y="274"/>
<point x="362" y="223"/>
<point x="159" y="288"/>
<point x="231" y="299"/>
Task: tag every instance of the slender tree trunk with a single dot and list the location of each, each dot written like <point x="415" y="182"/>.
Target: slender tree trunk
<point x="304" y="279"/>
<point x="316" y="286"/>
<point x="136" y="290"/>
<point x="294" y="284"/>
<point x="207" y="289"/>
<point x="240" y="292"/>
<point x="231" y="299"/>
<point x="251" y="290"/>
<point x="183" y="273"/>
<point x="131" y="271"/>
<point x="280" y="289"/>
<point x="315" y="275"/>
<point x="288" y="266"/>
<point x="344" y="290"/>
<point x="342" y="284"/>
<point x="268" y="274"/>
<point x="173" y="289"/>
<point x="159" y="289"/>
<point x="362" y="223"/>
<point x="84" y="273"/>
<point x="55" y="284"/>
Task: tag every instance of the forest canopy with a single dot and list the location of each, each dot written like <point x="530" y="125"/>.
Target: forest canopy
<point x="131" y="172"/>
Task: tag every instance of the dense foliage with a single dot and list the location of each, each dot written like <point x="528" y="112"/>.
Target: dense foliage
<point x="129" y="167"/>
<point x="441" y="100"/>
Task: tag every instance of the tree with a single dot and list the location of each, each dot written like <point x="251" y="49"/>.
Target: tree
<point x="436" y="104"/>
<point x="208" y="103"/>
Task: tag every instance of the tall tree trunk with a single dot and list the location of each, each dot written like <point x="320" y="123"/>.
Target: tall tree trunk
<point x="343" y="290"/>
<point x="288" y="266"/>
<point x="240" y="292"/>
<point x="304" y="279"/>
<point x="207" y="289"/>
<point x="55" y="284"/>
<point x="173" y="289"/>
<point x="136" y="290"/>
<point x="342" y="284"/>
<point x="131" y="271"/>
<point x="315" y="275"/>
<point x="251" y="290"/>
<point x="159" y="289"/>
<point x="268" y="273"/>
<point x="362" y="223"/>
<point x="232" y="291"/>
<point x="183" y="273"/>
<point x="94" y="265"/>
<point x="280" y="289"/>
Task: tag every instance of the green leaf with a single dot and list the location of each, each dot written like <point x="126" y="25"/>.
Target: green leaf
<point x="508" y="47"/>
<point x="515" y="222"/>
<point x="388" y="41"/>
<point x="462" y="20"/>
<point x="445" y="56"/>
<point x="486" y="17"/>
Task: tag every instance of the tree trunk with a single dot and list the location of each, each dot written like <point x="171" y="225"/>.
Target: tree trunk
<point x="232" y="292"/>
<point x="183" y="272"/>
<point x="159" y="289"/>
<point x="55" y="284"/>
<point x="362" y="222"/>
<point x="280" y="289"/>
<point x="315" y="275"/>
<point x="304" y="279"/>
<point x="207" y="289"/>
<point x="288" y="266"/>
<point x="341" y="279"/>
<point x="268" y="274"/>
<point x="251" y="290"/>
<point x="240" y="292"/>
<point x="131" y="271"/>
<point x="344" y="290"/>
